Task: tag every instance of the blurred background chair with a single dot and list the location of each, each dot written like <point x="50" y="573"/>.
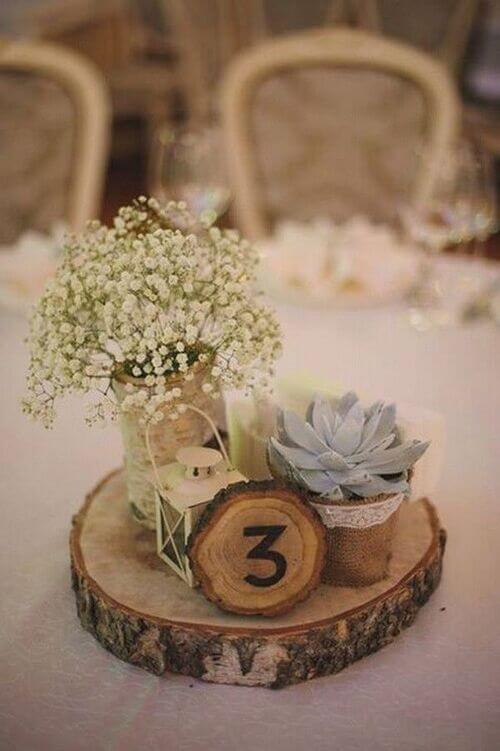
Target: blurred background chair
<point x="481" y="79"/>
<point x="206" y="36"/>
<point x="54" y="135"/>
<point x="128" y="43"/>
<point x="163" y="61"/>
<point x="441" y="28"/>
<point x="331" y="123"/>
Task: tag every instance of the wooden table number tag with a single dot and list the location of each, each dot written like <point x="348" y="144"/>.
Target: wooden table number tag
<point x="257" y="549"/>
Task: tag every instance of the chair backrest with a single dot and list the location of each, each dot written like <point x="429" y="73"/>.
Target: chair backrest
<point x="70" y="103"/>
<point x="343" y="52"/>
<point x="207" y="34"/>
<point x="442" y="27"/>
<point x="359" y="13"/>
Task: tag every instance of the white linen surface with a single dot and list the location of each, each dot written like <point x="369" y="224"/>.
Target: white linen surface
<point x="435" y="687"/>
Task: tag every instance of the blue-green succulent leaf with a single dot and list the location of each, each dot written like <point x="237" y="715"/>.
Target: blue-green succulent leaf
<point x="345" y="451"/>
<point x="301" y="433"/>
<point x="280" y="428"/>
<point x="345" y="403"/>
<point x="348" y="436"/>
<point x="300" y="458"/>
<point x="361" y="456"/>
<point x="280" y="468"/>
<point x="372" y="419"/>
<point x="384" y="421"/>
<point x="321" y="417"/>
<point x="332" y="460"/>
<point x="398" y="459"/>
<point x="377" y="486"/>
<point x="336" y="494"/>
<point x="318" y="482"/>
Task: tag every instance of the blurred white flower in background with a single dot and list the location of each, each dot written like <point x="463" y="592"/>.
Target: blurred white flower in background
<point x="26" y="266"/>
<point x="357" y="262"/>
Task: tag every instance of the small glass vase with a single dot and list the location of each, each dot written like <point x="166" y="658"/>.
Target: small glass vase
<point x="165" y="438"/>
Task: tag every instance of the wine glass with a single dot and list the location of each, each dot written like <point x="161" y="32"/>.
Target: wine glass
<point x="460" y="211"/>
<point x="188" y="165"/>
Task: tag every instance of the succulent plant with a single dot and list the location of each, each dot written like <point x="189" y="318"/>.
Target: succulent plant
<point x="343" y="452"/>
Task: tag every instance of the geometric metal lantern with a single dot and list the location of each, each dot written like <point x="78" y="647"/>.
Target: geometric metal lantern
<point x="187" y="485"/>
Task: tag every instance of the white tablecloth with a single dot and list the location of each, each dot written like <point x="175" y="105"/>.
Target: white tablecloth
<point x="435" y="688"/>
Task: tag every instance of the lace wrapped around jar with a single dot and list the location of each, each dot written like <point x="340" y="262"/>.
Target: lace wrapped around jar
<point x="165" y="438"/>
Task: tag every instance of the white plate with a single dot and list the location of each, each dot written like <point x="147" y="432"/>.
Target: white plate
<point x="377" y="276"/>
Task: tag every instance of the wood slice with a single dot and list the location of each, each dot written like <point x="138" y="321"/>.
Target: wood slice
<point x="258" y="549"/>
<point x="139" y="610"/>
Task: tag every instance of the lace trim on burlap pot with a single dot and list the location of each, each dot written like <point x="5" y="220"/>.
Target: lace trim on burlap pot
<point x="358" y="517"/>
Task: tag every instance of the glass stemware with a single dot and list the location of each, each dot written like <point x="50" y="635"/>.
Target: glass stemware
<point x="461" y="211"/>
<point x="188" y="165"/>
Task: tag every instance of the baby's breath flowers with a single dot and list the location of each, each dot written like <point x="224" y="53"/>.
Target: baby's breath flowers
<point x="159" y="294"/>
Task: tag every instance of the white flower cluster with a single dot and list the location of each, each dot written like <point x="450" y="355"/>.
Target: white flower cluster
<point x="159" y="293"/>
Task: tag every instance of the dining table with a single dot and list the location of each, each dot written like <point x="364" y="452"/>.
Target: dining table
<point x="436" y="687"/>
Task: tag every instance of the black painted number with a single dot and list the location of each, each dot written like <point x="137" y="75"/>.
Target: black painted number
<point x="261" y="552"/>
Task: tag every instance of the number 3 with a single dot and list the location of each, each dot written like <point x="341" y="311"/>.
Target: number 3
<point x="261" y="551"/>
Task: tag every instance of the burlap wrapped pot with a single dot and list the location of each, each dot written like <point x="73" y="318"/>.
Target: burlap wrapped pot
<point x="360" y="534"/>
<point x="165" y="439"/>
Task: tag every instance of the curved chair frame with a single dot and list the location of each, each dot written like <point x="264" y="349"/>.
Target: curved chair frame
<point x="335" y="48"/>
<point x="86" y="89"/>
<point x="450" y="51"/>
<point x="230" y="20"/>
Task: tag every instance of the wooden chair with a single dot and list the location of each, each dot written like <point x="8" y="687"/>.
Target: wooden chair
<point x="67" y="115"/>
<point x="362" y="14"/>
<point x="206" y="35"/>
<point x="442" y="27"/>
<point x="345" y="53"/>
